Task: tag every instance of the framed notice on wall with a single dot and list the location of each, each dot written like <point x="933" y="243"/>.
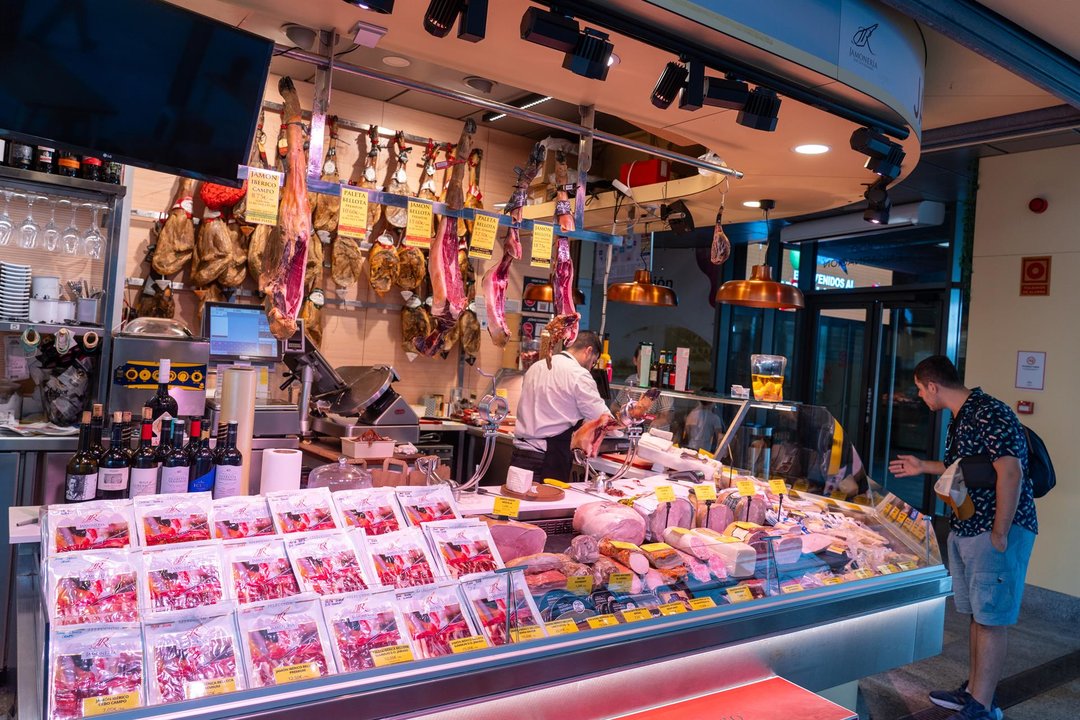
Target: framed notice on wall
<point x="1030" y="370"/>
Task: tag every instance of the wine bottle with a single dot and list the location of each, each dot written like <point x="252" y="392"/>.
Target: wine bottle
<point x="97" y="422"/>
<point x="203" y="469"/>
<point x="194" y="438"/>
<point x="115" y="465"/>
<point x="162" y="405"/>
<point x="229" y="462"/>
<point x="145" y="466"/>
<point x="653" y="373"/>
<point x="129" y="433"/>
<point x="177" y="464"/>
<point x="80" y="480"/>
<point x="605" y="358"/>
<point x="166" y="445"/>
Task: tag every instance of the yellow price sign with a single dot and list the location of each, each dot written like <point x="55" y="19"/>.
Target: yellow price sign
<point x="888" y="569"/>
<point x="292" y="673"/>
<point x="665" y="493"/>
<point x="656" y="547"/>
<point x="206" y="688"/>
<point x="393" y="655"/>
<point x="485" y="228"/>
<point x="778" y="487"/>
<point x="834" y="580"/>
<point x="418" y="227"/>
<point x="503" y="393"/>
<point x="620" y="582"/>
<point x="636" y="615"/>
<point x="908" y="565"/>
<point x="581" y="584"/>
<point x="468" y="644"/>
<point x="864" y="573"/>
<point x="838" y="495"/>
<point x="746" y="488"/>
<point x="791" y="588"/>
<point x="507" y="507"/>
<point x="263" y="196"/>
<point x="109" y="703"/>
<point x="739" y="593"/>
<point x="353" y="212"/>
<point x="705" y="492"/>
<point x="702" y="603"/>
<point x="894" y="512"/>
<point x="602" y="621"/>
<point x="561" y="627"/>
<point x="623" y="545"/>
<point x="529" y="632"/>
<point x="672" y="608"/>
<point x="542" y="235"/>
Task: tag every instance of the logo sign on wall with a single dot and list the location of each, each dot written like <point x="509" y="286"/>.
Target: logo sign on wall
<point x="1035" y="275"/>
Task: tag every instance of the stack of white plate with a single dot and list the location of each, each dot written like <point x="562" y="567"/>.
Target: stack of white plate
<point x="14" y="291"/>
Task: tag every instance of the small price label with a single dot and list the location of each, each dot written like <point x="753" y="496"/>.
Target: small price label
<point x="888" y="569"/>
<point x="561" y="627"/>
<point x="672" y="608"/>
<point x="778" y="487"/>
<point x="894" y="512"/>
<point x="705" y="492"/>
<point x="485" y="228"/>
<point x="109" y="703"/>
<point x="739" y="593"/>
<point x="746" y="488"/>
<point x="636" y="615"/>
<point x="393" y="655"/>
<point x="920" y="531"/>
<point x="507" y="507"/>
<point x="657" y="547"/>
<point x="353" y="212"/>
<point x="623" y="545"/>
<point x="580" y="584"/>
<point x="529" y="632"/>
<point x="418" y="227"/>
<point x="665" y="493"/>
<point x="468" y="644"/>
<point x="292" y="673"/>
<point x="541" y="245"/>
<point x="205" y="688"/>
<point x="679" y="531"/>
<point x="864" y="573"/>
<point x="791" y="588"/>
<point x="909" y="565"/>
<point x="837" y="549"/>
<point x="620" y="582"/>
<point x="834" y="580"/>
<point x="838" y="495"/>
<point x="702" y="603"/>
<point x="909" y="526"/>
<point x="263" y="194"/>
<point x="602" y="621"/>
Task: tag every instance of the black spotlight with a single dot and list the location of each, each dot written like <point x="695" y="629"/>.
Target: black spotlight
<point x="725" y="93"/>
<point x="380" y="6"/>
<point x="678" y="217"/>
<point x="668" y="86"/>
<point x="884" y="157"/>
<point x="760" y="110"/>
<point x="878" y="203"/>
<point x="692" y="96"/>
<point x="441" y="15"/>
<point x="549" y="29"/>
<point x="590" y="55"/>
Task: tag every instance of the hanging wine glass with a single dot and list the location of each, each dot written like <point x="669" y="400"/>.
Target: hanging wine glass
<point x="6" y="226"/>
<point x="50" y="234"/>
<point x="93" y="240"/>
<point x="69" y="236"/>
<point x="28" y="231"/>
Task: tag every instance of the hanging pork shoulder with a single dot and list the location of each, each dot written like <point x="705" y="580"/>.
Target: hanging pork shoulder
<point x="176" y="241"/>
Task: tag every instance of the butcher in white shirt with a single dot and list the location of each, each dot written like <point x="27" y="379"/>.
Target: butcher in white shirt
<point x="553" y="403"/>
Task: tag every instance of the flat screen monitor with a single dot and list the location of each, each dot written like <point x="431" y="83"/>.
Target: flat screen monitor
<point x="239" y="332"/>
<point x="141" y="82"/>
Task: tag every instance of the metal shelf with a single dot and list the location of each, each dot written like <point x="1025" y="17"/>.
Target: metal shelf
<point x="48" y="328"/>
<point x="62" y="181"/>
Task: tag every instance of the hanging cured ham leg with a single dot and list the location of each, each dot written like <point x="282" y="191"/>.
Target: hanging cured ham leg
<point x="564" y="326"/>
<point x="447" y="290"/>
<point x="285" y="289"/>
<point x="496" y="278"/>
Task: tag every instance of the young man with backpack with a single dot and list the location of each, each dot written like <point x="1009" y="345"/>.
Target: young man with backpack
<point x="988" y="552"/>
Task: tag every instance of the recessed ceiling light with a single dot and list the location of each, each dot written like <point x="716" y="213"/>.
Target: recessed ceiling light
<point x="811" y="149"/>
<point x="396" y="61"/>
<point x="613" y="59"/>
<point x="752" y="204"/>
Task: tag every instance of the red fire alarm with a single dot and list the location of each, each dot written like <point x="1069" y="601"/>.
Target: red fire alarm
<point x="1025" y="407"/>
<point x="1038" y="205"/>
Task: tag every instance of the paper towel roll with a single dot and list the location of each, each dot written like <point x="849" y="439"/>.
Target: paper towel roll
<point x="280" y="470"/>
<point x="238" y="404"/>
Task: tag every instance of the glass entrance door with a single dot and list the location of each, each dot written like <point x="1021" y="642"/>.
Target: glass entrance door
<point x="862" y="362"/>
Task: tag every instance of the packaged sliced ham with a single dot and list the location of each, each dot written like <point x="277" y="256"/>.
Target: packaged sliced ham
<point x="463" y="547"/>
<point x="95" y="669"/>
<point x="173" y="518"/>
<point x="366" y="630"/>
<point x="183" y="577"/>
<point x="192" y="655"/>
<point x="503" y="616"/>
<point x="326" y="563"/>
<point x="260" y="570"/>
<point x="242" y="516"/>
<point x="97" y="587"/>
<point x="437" y="622"/>
<point x="610" y="520"/>
<point x="375" y="510"/>
<point x="98" y="525"/>
<point x="303" y="510"/>
<point x="284" y="642"/>
<point x="427" y="503"/>
<point x="400" y="559"/>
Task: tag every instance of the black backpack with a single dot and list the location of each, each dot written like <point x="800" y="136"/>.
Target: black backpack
<point x="1040" y="466"/>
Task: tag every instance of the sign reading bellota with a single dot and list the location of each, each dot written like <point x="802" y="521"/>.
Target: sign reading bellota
<point x="1035" y="275"/>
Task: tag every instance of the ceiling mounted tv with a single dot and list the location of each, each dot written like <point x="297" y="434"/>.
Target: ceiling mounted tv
<point x="140" y="82"/>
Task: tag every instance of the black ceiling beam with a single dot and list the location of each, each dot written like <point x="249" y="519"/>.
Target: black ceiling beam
<point x="1030" y="123"/>
<point x="618" y="20"/>
<point x="1001" y="41"/>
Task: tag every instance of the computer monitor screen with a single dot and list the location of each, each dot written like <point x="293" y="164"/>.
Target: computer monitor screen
<point x="239" y="332"/>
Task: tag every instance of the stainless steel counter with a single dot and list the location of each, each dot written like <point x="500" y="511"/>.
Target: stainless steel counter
<point x="11" y="442"/>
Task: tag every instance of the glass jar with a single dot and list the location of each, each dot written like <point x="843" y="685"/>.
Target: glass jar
<point x="767" y="375"/>
<point x="46" y="158"/>
<point x="339" y="476"/>
<point x="68" y="164"/>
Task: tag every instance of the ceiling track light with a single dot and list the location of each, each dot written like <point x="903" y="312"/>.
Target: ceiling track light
<point x="725" y="93"/>
<point x="590" y="56"/>
<point x="692" y="96"/>
<point x="441" y="15"/>
<point x="884" y="157"/>
<point x="380" y="6"/>
<point x="760" y="111"/>
<point x="668" y="85"/>
<point x="878" y="203"/>
<point x="587" y="53"/>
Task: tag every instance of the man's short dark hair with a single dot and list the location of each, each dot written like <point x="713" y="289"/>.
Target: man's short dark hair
<point x="938" y="369"/>
<point x="587" y="339"/>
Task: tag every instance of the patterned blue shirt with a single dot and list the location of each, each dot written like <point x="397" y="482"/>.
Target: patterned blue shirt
<point x="984" y="424"/>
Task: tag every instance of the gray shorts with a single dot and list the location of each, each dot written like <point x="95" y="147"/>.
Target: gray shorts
<point x="988" y="584"/>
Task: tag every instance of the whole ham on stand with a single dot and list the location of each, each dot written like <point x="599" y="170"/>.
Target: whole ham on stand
<point x="564" y="326"/>
<point x="496" y="278"/>
<point x="285" y="289"/>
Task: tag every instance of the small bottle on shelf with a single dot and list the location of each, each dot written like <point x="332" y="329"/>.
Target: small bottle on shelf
<point x="21" y="155"/>
<point x="604" y="362"/>
<point x="68" y="164"/>
<point x="81" y="477"/>
<point x="177" y="465"/>
<point x="203" y="470"/>
<point x="653" y="372"/>
<point x="145" y="466"/>
<point x="162" y="405"/>
<point x="91" y="168"/>
<point x="115" y="466"/>
<point x="113" y="172"/>
<point x="228" y="462"/>
<point x="45" y="159"/>
<point x="97" y="423"/>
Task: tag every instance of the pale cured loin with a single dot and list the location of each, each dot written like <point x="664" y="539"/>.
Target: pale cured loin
<point x="285" y="291"/>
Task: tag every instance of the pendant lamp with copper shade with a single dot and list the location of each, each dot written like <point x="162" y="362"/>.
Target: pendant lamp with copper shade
<point x="760" y="290"/>
<point x="546" y="293"/>
<point x="642" y="291"/>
